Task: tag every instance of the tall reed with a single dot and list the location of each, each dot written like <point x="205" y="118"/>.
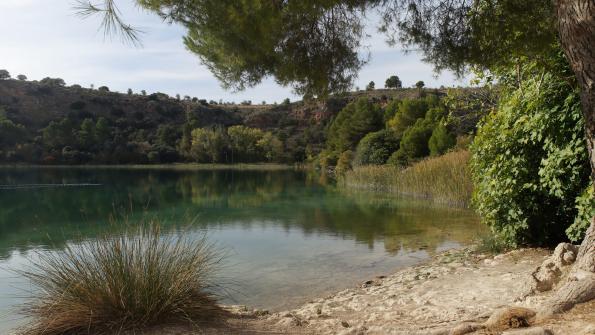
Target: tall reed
<point x="444" y="179"/>
<point x="110" y="284"/>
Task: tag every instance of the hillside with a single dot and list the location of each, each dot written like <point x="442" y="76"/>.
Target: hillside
<point x="134" y="121"/>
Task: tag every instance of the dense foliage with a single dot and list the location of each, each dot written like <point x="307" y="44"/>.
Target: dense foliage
<point x="236" y="144"/>
<point x="530" y="160"/>
<point x="352" y="124"/>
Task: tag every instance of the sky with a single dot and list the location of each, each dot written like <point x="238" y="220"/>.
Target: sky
<point x="44" y="38"/>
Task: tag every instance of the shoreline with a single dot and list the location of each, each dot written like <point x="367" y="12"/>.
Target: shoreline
<point x="172" y="166"/>
<point x="452" y="288"/>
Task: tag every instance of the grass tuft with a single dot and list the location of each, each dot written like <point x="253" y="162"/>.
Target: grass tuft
<point x="444" y="179"/>
<point x="138" y="279"/>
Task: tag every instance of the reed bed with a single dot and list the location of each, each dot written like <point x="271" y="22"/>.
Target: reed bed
<point x="445" y="179"/>
<point x="110" y="284"/>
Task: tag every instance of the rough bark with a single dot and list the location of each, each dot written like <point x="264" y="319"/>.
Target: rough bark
<point x="576" y="23"/>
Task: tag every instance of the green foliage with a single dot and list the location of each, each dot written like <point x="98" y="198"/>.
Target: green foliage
<point x="326" y="159"/>
<point x="393" y="82"/>
<point x="414" y="144"/>
<point x="4" y="74"/>
<point x="371" y="86"/>
<point x="420" y="84"/>
<point x="467" y="106"/>
<point x="237" y="144"/>
<point x="243" y="142"/>
<point x="209" y="145"/>
<point x="408" y="111"/>
<point x="244" y="42"/>
<point x="585" y="206"/>
<point x="375" y="148"/>
<point x="86" y="135"/>
<point x="56" y="82"/>
<point x="102" y="130"/>
<point x="22" y="77"/>
<point x="530" y="160"/>
<point x="344" y="162"/>
<point x="10" y="132"/>
<point x="441" y="140"/>
<point x="58" y="134"/>
<point x="352" y="124"/>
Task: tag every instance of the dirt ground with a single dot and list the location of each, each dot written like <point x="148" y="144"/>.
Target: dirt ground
<point x="455" y="288"/>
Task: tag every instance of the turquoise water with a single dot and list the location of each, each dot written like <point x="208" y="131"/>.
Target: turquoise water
<point x="289" y="235"/>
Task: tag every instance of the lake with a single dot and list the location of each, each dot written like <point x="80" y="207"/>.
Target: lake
<point x="290" y="235"/>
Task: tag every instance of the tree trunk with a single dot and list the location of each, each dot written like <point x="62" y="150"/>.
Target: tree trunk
<point x="576" y="23"/>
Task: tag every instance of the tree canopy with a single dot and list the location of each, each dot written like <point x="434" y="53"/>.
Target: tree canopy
<point x="315" y="46"/>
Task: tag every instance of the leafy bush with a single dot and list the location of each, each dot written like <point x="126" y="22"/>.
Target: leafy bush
<point x="414" y="144"/>
<point x="408" y="111"/>
<point x="441" y="140"/>
<point x="530" y="161"/>
<point x="376" y="147"/>
<point x="353" y="123"/>
<point x="585" y="205"/>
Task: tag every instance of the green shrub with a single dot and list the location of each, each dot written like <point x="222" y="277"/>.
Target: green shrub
<point x="375" y="148"/>
<point x="344" y="162"/>
<point x="114" y="284"/>
<point x="530" y="161"/>
<point x="585" y="205"/>
<point x="407" y="112"/>
<point x="414" y="144"/>
<point x="441" y="140"/>
<point x="353" y="123"/>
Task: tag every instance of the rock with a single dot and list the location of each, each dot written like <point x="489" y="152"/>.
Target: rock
<point x="345" y="324"/>
<point x="529" y="331"/>
<point x="510" y="317"/>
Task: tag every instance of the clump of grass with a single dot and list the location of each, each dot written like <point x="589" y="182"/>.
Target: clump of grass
<point x="444" y="179"/>
<point x="138" y="279"/>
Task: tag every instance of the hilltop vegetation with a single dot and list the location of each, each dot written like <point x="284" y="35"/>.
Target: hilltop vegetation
<point x="47" y="122"/>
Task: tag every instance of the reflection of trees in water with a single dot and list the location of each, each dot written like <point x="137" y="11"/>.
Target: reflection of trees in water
<point x="292" y="199"/>
<point x="401" y="224"/>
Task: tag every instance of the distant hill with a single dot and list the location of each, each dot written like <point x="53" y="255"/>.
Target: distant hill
<point x="137" y="118"/>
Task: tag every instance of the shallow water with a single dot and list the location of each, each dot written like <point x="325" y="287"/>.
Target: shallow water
<point x="289" y="235"/>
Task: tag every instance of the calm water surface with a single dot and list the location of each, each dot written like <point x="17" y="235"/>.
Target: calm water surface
<point x="290" y="235"/>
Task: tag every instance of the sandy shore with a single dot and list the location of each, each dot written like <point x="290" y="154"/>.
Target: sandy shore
<point x="456" y="292"/>
<point x="455" y="288"/>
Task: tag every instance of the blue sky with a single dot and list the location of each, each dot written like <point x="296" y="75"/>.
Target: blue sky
<point x="43" y="38"/>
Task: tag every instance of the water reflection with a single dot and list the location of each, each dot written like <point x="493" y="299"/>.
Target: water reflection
<point x="290" y="234"/>
<point x="289" y="198"/>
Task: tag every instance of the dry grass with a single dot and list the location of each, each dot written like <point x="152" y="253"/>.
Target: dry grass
<point x="109" y="285"/>
<point x="445" y="179"/>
